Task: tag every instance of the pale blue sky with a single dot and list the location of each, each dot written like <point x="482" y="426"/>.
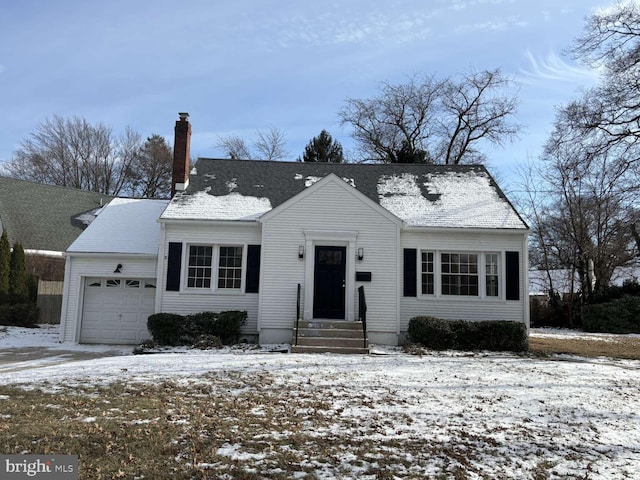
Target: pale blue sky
<point x="237" y="66"/>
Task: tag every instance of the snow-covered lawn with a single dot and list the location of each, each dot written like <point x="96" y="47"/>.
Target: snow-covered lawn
<point x="393" y="415"/>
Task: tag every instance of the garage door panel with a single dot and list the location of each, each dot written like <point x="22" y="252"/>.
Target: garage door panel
<point x="115" y="311"/>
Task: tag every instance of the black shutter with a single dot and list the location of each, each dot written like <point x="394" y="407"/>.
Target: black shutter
<point x="174" y="263"/>
<point x="512" y="281"/>
<point x="252" y="284"/>
<point x="410" y="272"/>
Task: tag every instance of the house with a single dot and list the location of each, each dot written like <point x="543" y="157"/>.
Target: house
<point x="284" y="240"/>
<point x="45" y="219"/>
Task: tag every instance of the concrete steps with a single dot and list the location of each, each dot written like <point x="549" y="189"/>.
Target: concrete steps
<point x="330" y="336"/>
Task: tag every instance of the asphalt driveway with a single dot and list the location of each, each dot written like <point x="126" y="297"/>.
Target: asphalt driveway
<point x="26" y="358"/>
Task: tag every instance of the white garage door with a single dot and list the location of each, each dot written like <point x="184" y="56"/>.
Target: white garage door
<point x="115" y="310"/>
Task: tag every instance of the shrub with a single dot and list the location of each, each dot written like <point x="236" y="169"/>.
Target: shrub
<point x="19" y="315"/>
<point x="206" y="342"/>
<point x="172" y="329"/>
<point x="439" y="334"/>
<point x="229" y="325"/>
<point x="166" y="328"/>
<point x="621" y="315"/>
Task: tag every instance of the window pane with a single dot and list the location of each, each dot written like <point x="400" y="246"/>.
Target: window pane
<point x="199" y="270"/>
<point x="427" y="278"/>
<point x="230" y="267"/>
<point x="113" y="283"/>
<point x="459" y="274"/>
<point x="491" y="267"/>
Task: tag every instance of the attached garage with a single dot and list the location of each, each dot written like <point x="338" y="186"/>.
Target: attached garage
<point x="110" y="275"/>
<point x="115" y="310"/>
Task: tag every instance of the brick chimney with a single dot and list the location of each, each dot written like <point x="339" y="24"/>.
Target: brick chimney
<point x="181" y="154"/>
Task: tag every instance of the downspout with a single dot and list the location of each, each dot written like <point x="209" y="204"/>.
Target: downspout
<point x="65" y="297"/>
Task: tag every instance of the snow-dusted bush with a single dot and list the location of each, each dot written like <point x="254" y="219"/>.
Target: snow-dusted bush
<point x="173" y="329"/>
<point x="440" y="334"/>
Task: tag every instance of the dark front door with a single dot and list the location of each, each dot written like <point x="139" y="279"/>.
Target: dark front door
<point x="329" y="282"/>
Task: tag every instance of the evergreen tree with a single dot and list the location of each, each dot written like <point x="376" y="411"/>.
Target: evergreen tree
<point x="323" y="149"/>
<point x="5" y="261"/>
<point x="18" y="291"/>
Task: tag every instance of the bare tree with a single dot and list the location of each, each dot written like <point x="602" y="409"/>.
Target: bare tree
<point x="432" y="120"/>
<point x="269" y="145"/>
<point x="400" y="116"/>
<point x="234" y="147"/>
<point x="586" y="205"/>
<point x="74" y="153"/>
<point x="611" y="41"/>
<point x="475" y="108"/>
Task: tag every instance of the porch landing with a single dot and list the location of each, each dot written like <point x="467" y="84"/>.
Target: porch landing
<point x="330" y="336"/>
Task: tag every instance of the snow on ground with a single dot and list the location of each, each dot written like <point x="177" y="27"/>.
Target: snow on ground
<point x="48" y="337"/>
<point x="501" y="415"/>
<point x="577" y="335"/>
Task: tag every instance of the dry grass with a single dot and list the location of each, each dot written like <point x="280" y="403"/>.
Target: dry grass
<point x="615" y="347"/>
<point x="230" y="426"/>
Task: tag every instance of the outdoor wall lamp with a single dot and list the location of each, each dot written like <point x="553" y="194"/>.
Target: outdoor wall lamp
<point x="300" y="251"/>
<point x="360" y="253"/>
<point x="118" y="268"/>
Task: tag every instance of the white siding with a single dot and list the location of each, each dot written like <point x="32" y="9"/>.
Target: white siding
<point x="467" y="308"/>
<point x="185" y="302"/>
<point x="80" y="267"/>
<point x="330" y="215"/>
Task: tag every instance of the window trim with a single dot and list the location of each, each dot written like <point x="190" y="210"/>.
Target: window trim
<point x="215" y="269"/>
<point x="482" y="275"/>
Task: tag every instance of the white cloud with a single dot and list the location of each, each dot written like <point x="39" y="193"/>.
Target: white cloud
<point x="492" y="26"/>
<point x="553" y="68"/>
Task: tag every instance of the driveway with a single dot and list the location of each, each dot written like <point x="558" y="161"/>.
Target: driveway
<point x="26" y="358"/>
<point x="28" y="348"/>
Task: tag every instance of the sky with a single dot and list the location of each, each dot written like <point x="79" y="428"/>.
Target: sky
<point x="239" y="66"/>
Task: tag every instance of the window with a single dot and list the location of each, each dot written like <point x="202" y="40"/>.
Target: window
<point x="113" y="283"/>
<point x="199" y="271"/>
<point x="132" y="284"/>
<point x="470" y="274"/>
<point x="208" y="263"/>
<point x="491" y="274"/>
<point x="230" y="267"/>
<point x="459" y="274"/>
<point x="428" y="286"/>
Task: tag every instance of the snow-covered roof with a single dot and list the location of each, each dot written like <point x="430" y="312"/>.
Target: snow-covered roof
<point x="124" y="225"/>
<point x="464" y="199"/>
<point x="459" y="196"/>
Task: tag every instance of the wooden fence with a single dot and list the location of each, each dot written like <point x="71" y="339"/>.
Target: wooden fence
<point x="49" y="301"/>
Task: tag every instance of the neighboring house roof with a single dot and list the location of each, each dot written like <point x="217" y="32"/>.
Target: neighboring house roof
<point x="561" y="278"/>
<point x="125" y="226"/>
<point x="45" y="217"/>
<point x="420" y="195"/>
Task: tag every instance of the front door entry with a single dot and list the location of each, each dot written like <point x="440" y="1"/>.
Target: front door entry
<point x="329" y="282"/>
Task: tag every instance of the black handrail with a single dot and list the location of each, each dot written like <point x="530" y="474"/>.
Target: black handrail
<point x="362" y="310"/>
<point x="297" y="314"/>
